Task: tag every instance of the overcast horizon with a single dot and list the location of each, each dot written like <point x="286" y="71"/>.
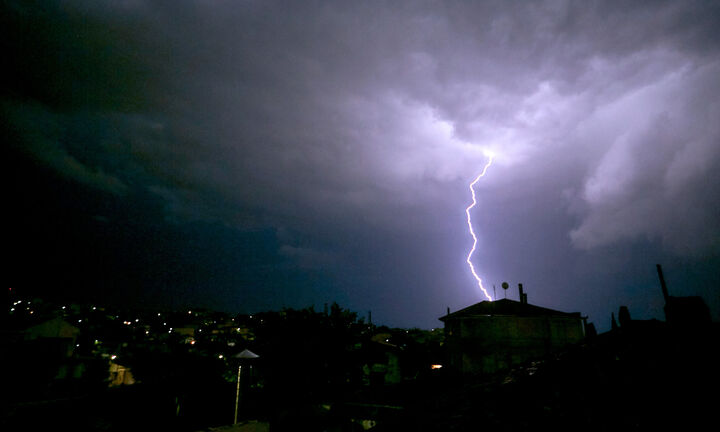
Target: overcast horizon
<point x="252" y="155"/>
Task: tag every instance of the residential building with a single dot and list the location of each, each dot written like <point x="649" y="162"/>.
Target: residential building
<point x="491" y="336"/>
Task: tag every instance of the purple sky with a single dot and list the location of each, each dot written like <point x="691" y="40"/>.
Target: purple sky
<point x="250" y="155"/>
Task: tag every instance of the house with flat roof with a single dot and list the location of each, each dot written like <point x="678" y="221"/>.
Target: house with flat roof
<point x="492" y="336"/>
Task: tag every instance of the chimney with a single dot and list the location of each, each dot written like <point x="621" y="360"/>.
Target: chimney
<point x="624" y="316"/>
<point x="662" y="283"/>
<point x="448" y="310"/>
<point x="523" y="296"/>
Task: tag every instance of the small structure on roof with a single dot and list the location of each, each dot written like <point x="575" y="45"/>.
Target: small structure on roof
<point x="492" y="336"/>
<point x="686" y="312"/>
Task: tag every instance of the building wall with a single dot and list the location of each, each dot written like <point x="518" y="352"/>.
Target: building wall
<point x="120" y="375"/>
<point x="487" y="344"/>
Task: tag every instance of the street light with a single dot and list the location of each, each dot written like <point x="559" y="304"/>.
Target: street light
<point x="244" y="355"/>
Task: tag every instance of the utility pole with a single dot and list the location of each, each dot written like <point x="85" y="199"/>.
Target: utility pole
<point x="237" y="394"/>
<point x="245" y="355"/>
<point x="662" y="282"/>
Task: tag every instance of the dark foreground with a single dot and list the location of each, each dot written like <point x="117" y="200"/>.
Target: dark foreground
<point x="646" y="377"/>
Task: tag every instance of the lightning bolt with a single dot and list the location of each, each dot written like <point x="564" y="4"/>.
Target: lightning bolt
<point x="470" y="227"/>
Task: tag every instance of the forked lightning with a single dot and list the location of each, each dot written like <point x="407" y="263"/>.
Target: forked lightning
<point x="472" y="232"/>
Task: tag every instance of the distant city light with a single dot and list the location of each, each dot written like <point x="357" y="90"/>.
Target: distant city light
<point x="113" y="357"/>
<point x="436" y="366"/>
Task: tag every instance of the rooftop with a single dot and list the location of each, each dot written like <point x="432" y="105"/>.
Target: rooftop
<point x="506" y="307"/>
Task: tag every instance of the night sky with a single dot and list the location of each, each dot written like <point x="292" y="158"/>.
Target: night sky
<point x="253" y="155"/>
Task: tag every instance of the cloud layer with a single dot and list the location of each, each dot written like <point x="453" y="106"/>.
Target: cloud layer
<point x="351" y="129"/>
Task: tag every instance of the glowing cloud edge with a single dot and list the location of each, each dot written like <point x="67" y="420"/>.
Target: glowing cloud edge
<point x="470" y="227"/>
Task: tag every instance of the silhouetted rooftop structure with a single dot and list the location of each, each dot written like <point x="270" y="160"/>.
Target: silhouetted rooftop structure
<point x="683" y="311"/>
<point x="491" y="336"/>
<point x="506" y="307"/>
<point x="686" y="311"/>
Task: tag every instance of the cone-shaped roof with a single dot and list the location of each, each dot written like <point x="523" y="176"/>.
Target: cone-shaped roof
<point x="246" y="354"/>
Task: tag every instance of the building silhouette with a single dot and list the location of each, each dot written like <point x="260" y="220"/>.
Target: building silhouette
<point x="492" y="336"/>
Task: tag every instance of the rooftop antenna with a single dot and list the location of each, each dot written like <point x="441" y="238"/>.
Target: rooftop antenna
<point x="505" y="286"/>
<point x="523" y="298"/>
<point x="494" y="293"/>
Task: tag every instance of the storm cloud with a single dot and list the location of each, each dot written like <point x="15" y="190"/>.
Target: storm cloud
<point x="350" y="131"/>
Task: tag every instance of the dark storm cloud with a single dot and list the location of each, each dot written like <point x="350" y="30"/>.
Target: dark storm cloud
<point x="352" y="129"/>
